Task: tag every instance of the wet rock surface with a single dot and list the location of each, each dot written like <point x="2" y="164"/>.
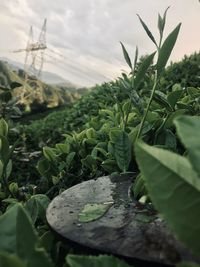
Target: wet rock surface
<point x="128" y="229"/>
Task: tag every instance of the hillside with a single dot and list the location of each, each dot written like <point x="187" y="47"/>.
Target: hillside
<point x="38" y="95"/>
<point x="47" y="77"/>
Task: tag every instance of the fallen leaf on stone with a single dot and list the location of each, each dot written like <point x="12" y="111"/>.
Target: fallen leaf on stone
<point x="94" y="211"/>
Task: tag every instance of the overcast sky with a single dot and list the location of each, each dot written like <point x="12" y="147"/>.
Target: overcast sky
<point x="87" y="33"/>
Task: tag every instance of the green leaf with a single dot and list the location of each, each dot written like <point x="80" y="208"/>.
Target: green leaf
<point x="6" y="96"/>
<point x="98" y="150"/>
<point x="63" y="148"/>
<point x="162" y="101"/>
<point x="92" y="212"/>
<point x="8" y="169"/>
<point x="109" y="165"/>
<point x="126" y="107"/>
<point x="8" y="230"/>
<point x="26" y="236"/>
<point x="43" y="166"/>
<point x="161" y="22"/>
<point x="4" y="88"/>
<point x="167" y="138"/>
<point x="193" y="92"/>
<point x="14" y="189"/>
<point x="170" y="139"/>
<point x="143" y="69"/>
<point x="138" y="186"/>
<point x="89" y="162"/>
<point x="90" y="141"/>
<point x="18" y="236"/>
<point x="69" y="159"/>
<point x="49" y="153"/>
<point x="94" y="261"/>
<point x="3" y="128"/>
<point x="40" y="258"/>
<point x="133" y="135"/>
<point x="147" y="31"/>
<point x="173" y="115"/>
<point x="90" y="133"/>
<point x="188" y="129"/>
<point x="32" y="208"/>
<point x="113" y="135"/>
<point x="36" y="206"/>
<point x="122" y="148"/>
<point x="166" y="49"/>
<point x="137" y="102"/>
<point x="1" y="169"/>
<point x="9" y="260"/>
<point x="174" y="189"/>
<point x="176" y="87"/>
<point x="46" y="240"/>
<point x="15" y="85"/>
<point x="173" y="97"/>
<point x="55" y="179"/>
<point x="4" y="150"/>
<point x="126" y="55"/>
<point x="136" y="57"/>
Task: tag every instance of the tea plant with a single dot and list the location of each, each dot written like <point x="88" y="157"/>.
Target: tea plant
<point x="5" y="161"/>
<point x="96" y="137"/>
<point x="164" y="50"/>
<point x="173" y="181"/>
<point x="7" y="106"/>
<point x="186" y="72"/>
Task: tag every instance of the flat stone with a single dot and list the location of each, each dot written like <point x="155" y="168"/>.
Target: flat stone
<point x="128" y="229"/>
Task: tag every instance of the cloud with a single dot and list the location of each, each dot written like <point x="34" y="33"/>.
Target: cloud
<point x="88" y="32"/>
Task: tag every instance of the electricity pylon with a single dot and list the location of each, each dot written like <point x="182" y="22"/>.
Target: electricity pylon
<point x="34" y="58"/>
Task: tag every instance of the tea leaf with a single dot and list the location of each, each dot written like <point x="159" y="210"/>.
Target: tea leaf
<point x="92" y="212"/>
<point x="173" y="97"/>
<point x="109" y="165"/>
<point x="40" y="258"/>
<point x="174" y="189"/>
<point x="3" y="128"/>
<point x="193" y="92"/>
<point x="26" y="236"/>
<point x="63" y="148"/>
<point x="36" y="206"/>
<point x="147" y="31"/>
<point x="139" y="187"/>
<point x="136" y="57"/>
<point x="4" y="149"/>
<point x="161" y="22"/>
<point x="142" y="70"/>
<point x="186" y="125"/>
<point x="162" y="101"/>
<point x="122" y="148"/>
<point x="49" y="153"/>
<point x="126" y="56"/>
<point x="6" y="96"/>
<point x="1" y="169"/>
<point x="69" y="159"/>
<point x="43" y="166"/>
<point x="8" y="230"/>
<point x="15" y="85"/>
<point x="166" y="49"/>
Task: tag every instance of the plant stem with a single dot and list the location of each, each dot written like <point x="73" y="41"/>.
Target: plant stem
<point x="148" y="106"/>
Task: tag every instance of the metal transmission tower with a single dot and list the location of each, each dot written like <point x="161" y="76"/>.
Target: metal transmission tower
<point x="34" y="58"/>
